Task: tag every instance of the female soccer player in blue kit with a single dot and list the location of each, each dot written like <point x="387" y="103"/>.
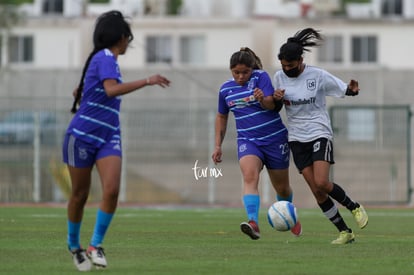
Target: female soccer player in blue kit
<point x="261" y="135"/>
<point x="93" y="136"/>
<point x="302" y="89"/>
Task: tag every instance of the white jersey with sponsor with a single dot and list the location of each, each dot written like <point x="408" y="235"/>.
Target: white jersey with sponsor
<point x="305" y="102"/>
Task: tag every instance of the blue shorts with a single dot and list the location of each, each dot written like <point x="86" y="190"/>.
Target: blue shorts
<point x="273" y="156"/>
<point x="80" y="154"/>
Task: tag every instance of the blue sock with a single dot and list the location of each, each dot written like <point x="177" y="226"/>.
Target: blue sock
<point x="252" y="205"/>
<point x="74" y="235"/>
<point x="279" y="198"/>
<point x="101" y="225"/>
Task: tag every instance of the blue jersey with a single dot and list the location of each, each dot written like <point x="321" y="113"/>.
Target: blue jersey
<point x="253" y="123"/>
<point x="97" y="120"/>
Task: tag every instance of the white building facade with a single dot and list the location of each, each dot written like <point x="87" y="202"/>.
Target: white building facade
<point x="62" y="39"/>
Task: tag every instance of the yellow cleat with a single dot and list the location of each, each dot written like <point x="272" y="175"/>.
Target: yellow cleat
<point x="361" y="216"/>
<point x="344" y="238"/>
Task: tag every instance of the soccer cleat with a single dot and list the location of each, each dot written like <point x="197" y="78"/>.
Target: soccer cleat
<point x="344" y="238"/>
<point x="361" y="216"/>
<point x="80" y="260"/>
<point x="297" y="229"/>
<point x="251" y="229"/>
<point x="97" y="256"/>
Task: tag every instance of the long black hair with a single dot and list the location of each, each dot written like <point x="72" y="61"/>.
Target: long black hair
<point x="110" y="28"/>
<point x="295" y="46"/>
<point x="246" y="57"/>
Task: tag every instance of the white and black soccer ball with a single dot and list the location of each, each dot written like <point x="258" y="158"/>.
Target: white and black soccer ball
<point x="282" y="215"/>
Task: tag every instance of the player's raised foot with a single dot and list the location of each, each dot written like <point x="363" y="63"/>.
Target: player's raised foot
<point x="251" y="229"/>
<point x="80" y="260"/>
<point x="360" y="216"/>
<point x="345" y="237"/>
<point x="297" y="229"/>
<point x="97" y="256"/>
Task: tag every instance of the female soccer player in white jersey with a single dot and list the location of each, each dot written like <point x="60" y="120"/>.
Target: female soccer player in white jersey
<point x="302" y="89"/>
<point x="93" y="136"/>
<point x="261" y="135"/>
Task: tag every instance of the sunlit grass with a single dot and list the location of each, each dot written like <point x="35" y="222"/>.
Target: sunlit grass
<point x="207" y="241"/>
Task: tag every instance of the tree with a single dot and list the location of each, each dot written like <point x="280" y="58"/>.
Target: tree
<point x="8" y="17"/>
<point x="8" y="13"/>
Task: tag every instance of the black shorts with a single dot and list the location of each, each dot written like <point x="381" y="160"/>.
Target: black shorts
<point x="305" y="153"/>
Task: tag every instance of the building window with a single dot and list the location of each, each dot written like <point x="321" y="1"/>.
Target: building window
<point x="181" y="50"/>
<point x="364" y="49"/>
<point x="331" y="51"/>
<point x="392" y="7"/>
<point x="21" y="49"/>
<point x="192" y="50"/>
<point x="52" y="6"/>
<point x="159" y="49"/>
<point x="361" y="125"/>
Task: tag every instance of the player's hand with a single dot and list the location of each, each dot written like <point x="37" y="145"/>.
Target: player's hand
<point x="279" y="94"/>
<point x="353" y="88"/>
<point x="158" y="80"/>
<point x="258" y="94"/>
<point x="353" y="85"/>
<point x="217" y="155"/>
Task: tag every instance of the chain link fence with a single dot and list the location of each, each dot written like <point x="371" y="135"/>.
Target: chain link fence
<point x="373" y="151"/>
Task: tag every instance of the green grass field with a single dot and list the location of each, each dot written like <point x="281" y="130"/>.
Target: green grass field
<point x="207" y="241"/>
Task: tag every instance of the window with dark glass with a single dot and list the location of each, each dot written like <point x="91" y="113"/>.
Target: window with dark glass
<point x="21" y="49"/>
<point x="159" y="49"/>
<point x="52" y="6"/>
<point x="331" y="51"/>
<point x="364" y="49"/>
<point x="392" y="7"/>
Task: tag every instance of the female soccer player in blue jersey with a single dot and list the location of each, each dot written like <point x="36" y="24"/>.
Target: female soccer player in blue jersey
<point x="303" y="89"/>
<point x="261" y="135"/>
<point x="93" y="136"/>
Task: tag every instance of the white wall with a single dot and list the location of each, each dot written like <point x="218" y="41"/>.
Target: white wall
<point x="65" y="42"/>
<point x="223" y="37"/>
<point x="57" y="48"/>
<point x="276" y="8"/>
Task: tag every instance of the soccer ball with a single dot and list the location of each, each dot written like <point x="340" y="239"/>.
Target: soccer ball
<point x="282" y="215"/>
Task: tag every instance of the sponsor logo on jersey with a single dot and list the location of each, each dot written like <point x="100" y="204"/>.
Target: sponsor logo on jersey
<point x="242" y="102"/>
<point x="303" y="101"/>
<point x="311" y="84"/>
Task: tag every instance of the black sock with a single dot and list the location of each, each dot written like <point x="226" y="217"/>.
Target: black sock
<point x="340" y="196"/>
<point x="330" y="210"/>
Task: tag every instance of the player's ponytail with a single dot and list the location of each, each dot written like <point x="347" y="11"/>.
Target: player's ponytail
<point x="295" y="46"/>
<point x="246" y="57"/>
<point x="257" y="62"/>
<point x="79" y="90"/>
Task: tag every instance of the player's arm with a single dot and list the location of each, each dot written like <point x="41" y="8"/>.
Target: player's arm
<point x="220" y="132"/>
<point x="278" y="105"/>
<point x="113" y="88"/>
<point x="266" y="102"/>
<point x="278" y="96"/>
